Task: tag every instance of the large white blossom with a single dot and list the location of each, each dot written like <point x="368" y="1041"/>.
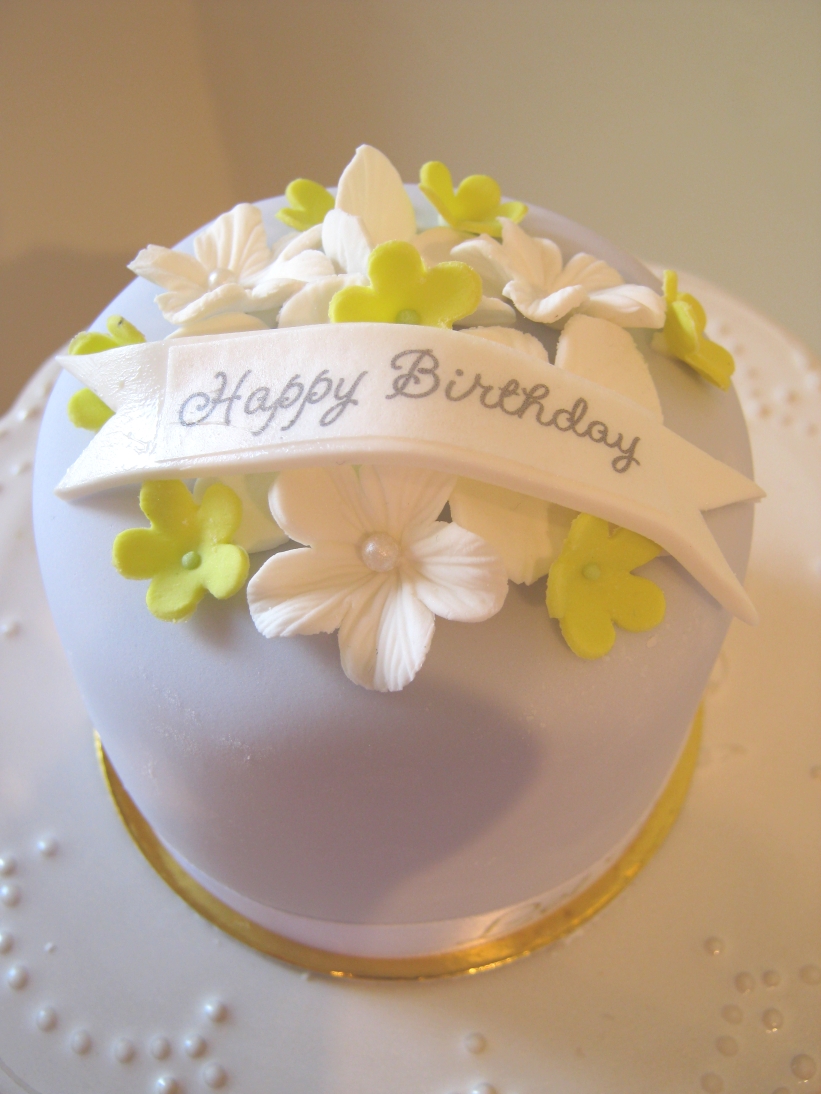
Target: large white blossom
<point x="530" y="273"/>
<point x="378" y="566"/>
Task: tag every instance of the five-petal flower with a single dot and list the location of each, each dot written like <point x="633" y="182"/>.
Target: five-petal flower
<point x="475" y="206"/>
<point x="187" y="551"/>
<point x="378" y="566"/>
<point x="529" y="271"/>
<point x="590" y="586"/>
<point x="683" y="336"/>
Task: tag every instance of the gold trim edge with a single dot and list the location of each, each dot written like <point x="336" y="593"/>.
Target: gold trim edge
<point x="466" y="960"/>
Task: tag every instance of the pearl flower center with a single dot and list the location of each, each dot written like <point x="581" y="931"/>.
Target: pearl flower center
<point x="221" y="276"/>
<point x="379" y="552"/>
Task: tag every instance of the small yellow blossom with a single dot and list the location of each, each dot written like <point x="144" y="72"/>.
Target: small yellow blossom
<point x="683" y="336"/>
<point x="85" y="409"/>
<point x="476" y="204"/>
<point x="186" y="551"/>
<point x="308" y="202"/>
<point x="403" y="290"/>
<point x="590" y="586"/>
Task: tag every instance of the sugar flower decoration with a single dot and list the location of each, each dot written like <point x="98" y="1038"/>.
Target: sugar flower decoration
<point x="590" y="586"/>
<point x="308" y="202"/>
<point x="402" y="290"/>
<point x="187" y="551"/>
<point x="231" y="274"/>
<point x="85" y="409"/>
<point x="475" y="206"/>
<point x="530" y="272"/>
<point x="378" y="567"/>
<point x="683" y="336"/>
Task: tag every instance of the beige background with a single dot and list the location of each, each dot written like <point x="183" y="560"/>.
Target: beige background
<point x="687" y="130"/>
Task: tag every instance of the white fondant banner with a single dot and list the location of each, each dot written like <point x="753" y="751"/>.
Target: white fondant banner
<point x="382" y="393"/>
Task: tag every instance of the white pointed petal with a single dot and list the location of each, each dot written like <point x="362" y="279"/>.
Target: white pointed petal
<point x="370" y="187"/>
<point x="607" y="355"/>
<point x="458" y="575"/>
<point x="305" y="266"/>
<point x="231" y="297"/>
<point x="517" y="526"/>
<point x="404" y="501"/>
<point x="171" y="270"/>
<point x="270" y="295"/>
<point x="346" y="242"/>
<point x="487" y="258"/>
<point x="319" y="504"/>
<point x="490" y="313"/>
<point x="235" y="241"/>
<point x="545" y="309"/>
<point x="629" y="306"/>
<point x="513" y="339"/>
<point x="227" y="322"/>
<point x="258" y="531"/>
<point x="435" y="244"/>
<point x="295" y="243"/>
<point x="385" y="635"/>
<point x="538" y="261"/>
<point x="305" y="591"/>
<point x="589" y="272"/>
<point x="310" y="305"/>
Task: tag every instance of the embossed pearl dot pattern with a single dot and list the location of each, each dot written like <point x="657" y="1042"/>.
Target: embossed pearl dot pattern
<point x="803" y="1067"/>
<point x="475" y="1043"/>
<point x="214" y="1076"/>
<point x="10" y="894"/>
<point x="6" y="942"/>
<point x="167" y="1084"/>
<point x="47" y="846"/>
<point x="712" y="1083"/>
<point x="727" y="1046"/>
<point x="215" y="1010"/>
<point x="194" y="1046"/>
<point x="124" y="1051"/>
<point x="714" y="946"/>
<point x="744" y="982"/>
<point x="160" y="1048"/>
<point x="8" y="864"/>
<point x="732" y="1014"/>
<point x="9" y="628"/>
<point x="46" y="1019"/>
<point x="771" y="978"/>
<point x="773" y="1019"/>
<point x="17" y="977"/>
<point x="810" y="974"/>
<point x="80" y="1042"/>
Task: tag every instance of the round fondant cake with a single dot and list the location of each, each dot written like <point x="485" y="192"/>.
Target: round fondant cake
<point x="440" y="432"/>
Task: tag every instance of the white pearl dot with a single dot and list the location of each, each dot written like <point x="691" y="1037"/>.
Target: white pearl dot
<point x="17" y="977"/>
<point x="484" y="1088"/>
<point x="380" y="552"/>
<point x="194" y="1046"/>
<point x="167" y="1085"/>
<point x="46" y="1019"/>
<point x="160" y="1048"/>
<point x="6" y="941"/>
<point x="214" y="1075"/>
<point x="50" y="947"/>
<point x="727" y="1046"/>
<point x="810" y="974"/>
<point x="732" y="1014"/>
<point x="803" y="1067"/>
<point x="10" y="894"/>
<point x="773" y="1019"/>
<point x="744" y="982"/>
<point x="8" y="864"/>
<point x="124" y="1051"/>
<point x="47" y="846"/>
<point x="712" y="1083"/>
<point x="9" y="628"/>
<point x="80" y="1042"/>
<point x="215" y="1010"/>
<point x="475" y="1043"/>
<point x="714" y="946"/>
<point x="771" y="978"/>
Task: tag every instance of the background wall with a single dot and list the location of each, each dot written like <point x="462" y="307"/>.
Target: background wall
<point x="687" y="130"/>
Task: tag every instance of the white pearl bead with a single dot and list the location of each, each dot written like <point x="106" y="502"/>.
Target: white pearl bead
<point x="379" y="551"/>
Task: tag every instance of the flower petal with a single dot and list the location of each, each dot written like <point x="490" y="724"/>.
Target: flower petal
<point x="435" y="244"/>
<point x="173" y="595"/>
<point x="320" y="504"/>
<point x="385" y="635"/>
<point x="628" y="306"/>
<point x="296" y="242"/>
<point x="589" y="272"/>
<point x="169" y="506"/>
<point x="229" y="297"/>
<point x="635" y="603"/>
<point x="513" y="339"/>
<point x="586" y="625"/>
<point x="224" y="569"/>
<point x="310" y="304"/>
<point x="370" y="187"/>
<point x="227" y="322"/>
<point x="490" y="313"/>
<point x="403" y="501"/>
<point x="220" y="514"/>
<point x="235" y="241"/>
<point x="258" y="531"/>
<point x="457" y="574"/>
<point x="171" y="270"/>
<point x="140" y="553"/>
<point x="538" y="261"/>
<point x="346" y="242"/>
<point x="487" y="258"/>
<point x="545" y="309"/>
<point x="305" y="591"/>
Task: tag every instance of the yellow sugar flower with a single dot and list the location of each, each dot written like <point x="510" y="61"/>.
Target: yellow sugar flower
<point x="683" y="336"/>
<point x="85" y="409"/>
<point x="186" y="551"/>
<point x="590" y="586"/>
<point x="308" y="202"/>
<point x="474" y="206"/>
<point x="404" y="290"/>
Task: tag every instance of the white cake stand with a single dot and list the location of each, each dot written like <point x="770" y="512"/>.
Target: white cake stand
<point x="704" y="975"/>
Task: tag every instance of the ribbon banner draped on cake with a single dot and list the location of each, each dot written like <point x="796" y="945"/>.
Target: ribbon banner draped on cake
<point x="422" y="396"/>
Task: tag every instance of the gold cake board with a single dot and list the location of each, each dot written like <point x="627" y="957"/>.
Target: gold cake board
<point x="484" y="954"/>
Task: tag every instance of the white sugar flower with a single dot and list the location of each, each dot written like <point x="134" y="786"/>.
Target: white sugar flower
<point x="378" y="566"/>
<point x="232" y="272"/>
<point x="530" y="273"/>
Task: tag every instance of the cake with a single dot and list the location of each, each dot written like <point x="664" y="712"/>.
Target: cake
<point x="393" y="801"/>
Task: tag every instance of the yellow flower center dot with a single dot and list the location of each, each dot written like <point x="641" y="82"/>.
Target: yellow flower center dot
<point x="591" y="571"/>
<point x="190" y="560"/>
<point x="408" y="315"/>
